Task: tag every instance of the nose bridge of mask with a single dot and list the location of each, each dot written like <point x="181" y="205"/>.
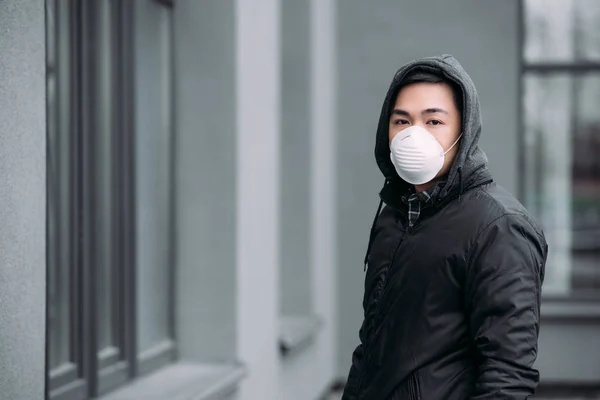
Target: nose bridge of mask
<point x="422" y="133"/>
<point x="414" y="130"/>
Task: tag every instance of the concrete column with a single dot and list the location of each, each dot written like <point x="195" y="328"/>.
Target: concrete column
<point x="324" y="137"/>
<point x="257" y="172"/>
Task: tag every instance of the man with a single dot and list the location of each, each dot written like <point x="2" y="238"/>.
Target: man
<point x="455" y="263"/>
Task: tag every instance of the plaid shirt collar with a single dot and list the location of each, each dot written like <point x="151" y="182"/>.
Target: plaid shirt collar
<point x="415" y="200"/>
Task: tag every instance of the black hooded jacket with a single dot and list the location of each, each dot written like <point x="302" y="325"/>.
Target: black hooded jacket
<point x="452" y="304"/>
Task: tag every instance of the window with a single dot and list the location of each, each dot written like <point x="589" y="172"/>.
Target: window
<point x="65" y="362"/>
<point x="153" y="187"/>
<point x="109" y="229"/>
<point x="561" y="185"/>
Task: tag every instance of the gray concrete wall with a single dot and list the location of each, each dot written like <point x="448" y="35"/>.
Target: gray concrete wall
<point x="299" y="377"/>
<point x="295" y="158"/>
<point x="22" y="199"/>
<point x="374" y="39"/>
<point x="569" y="352"/>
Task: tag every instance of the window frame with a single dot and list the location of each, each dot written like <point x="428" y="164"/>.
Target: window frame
<point x="113" y="368"/>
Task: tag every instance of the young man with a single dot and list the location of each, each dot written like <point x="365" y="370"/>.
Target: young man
<point x="455" y="263"/>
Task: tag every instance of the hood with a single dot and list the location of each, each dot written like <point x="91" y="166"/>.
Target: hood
<point x="470" y="160"/>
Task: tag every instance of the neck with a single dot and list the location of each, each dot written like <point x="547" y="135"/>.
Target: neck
<point x="425" y="186"/>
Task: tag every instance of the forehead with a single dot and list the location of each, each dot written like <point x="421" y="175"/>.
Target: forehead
<point x="426" y="95"/>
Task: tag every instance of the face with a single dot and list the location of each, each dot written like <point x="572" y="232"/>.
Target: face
<point x="431" y="106"/>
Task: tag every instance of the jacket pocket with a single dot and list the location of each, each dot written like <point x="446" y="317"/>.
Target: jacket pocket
<point x="409" y="389"/>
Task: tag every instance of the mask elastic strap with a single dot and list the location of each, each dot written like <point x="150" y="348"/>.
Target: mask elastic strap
<point x="453" y="144"/>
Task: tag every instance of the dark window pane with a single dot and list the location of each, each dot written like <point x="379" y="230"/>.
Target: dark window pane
<point x="586" y="182"/>
<point x="562" y="176"/>
<point x="111" y="272"/>
<point x="548" y="117"/>
<point x="153" y="174"/>
<point x="105" y="256"/>
<point x="58" y="229"/>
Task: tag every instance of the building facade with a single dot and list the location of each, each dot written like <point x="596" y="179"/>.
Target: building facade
<point x="187" y="186"/>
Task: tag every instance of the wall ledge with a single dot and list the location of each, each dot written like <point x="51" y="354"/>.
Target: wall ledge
<point x="297" y="332"/>
<point x="184" y="381"/>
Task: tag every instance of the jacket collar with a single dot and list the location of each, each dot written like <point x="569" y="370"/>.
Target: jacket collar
<point x="394" y="189"/>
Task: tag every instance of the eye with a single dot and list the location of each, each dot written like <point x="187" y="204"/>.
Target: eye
<point x="434" y="122"/>
<point x="400" y="122"/>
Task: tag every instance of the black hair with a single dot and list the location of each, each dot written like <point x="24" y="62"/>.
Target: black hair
<point x="420" y="76"/>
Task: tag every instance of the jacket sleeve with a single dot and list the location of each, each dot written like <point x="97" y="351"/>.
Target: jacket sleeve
<point x="351" y="388"/>
<point x="502" y="288"/>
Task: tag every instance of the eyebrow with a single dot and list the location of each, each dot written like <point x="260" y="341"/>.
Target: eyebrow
<point x="399" y="111"/>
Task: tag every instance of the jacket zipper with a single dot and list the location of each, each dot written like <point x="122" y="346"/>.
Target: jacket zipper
<point x="407" y="232"/>
<point x="413" y="391"/>
<point x="387" y="273"/>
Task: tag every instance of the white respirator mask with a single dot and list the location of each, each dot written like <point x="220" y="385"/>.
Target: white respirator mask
<point x="417" y="155"/>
